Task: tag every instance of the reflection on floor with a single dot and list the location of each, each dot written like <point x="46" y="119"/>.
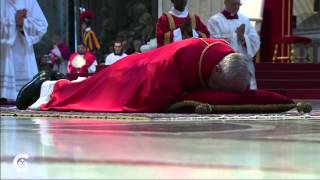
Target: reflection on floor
<point x="163" y="146"/>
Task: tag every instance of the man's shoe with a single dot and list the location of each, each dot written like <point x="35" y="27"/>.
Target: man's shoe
<point x="30" y="92"/>
<point x="55" y="75"/>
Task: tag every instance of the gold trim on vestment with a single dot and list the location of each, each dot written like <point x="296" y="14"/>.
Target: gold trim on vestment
<point x="204" y="41"/>
<point x="172" y="24"/>
<point x="202" y="35"/>
<point x="193" y="20"/>
<point x="167" y="38"/>
<point x="201" y="60"/>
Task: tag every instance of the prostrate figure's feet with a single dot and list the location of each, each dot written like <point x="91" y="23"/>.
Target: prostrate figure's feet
<point x="30" y="92"/>
<point x="55" y="75"/>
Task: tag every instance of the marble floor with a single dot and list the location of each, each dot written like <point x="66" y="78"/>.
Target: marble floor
<point x="163" y="146"/>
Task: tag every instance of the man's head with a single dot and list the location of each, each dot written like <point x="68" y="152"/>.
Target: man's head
<point x="179" y="5"/>
<point x="232" y="6"/>
<point x="85" y="19"/>
<point x="81" y="49"/>
<point x="117" y="47"/>
<point x="231" y="74"/>
<point x="85" y="24"/>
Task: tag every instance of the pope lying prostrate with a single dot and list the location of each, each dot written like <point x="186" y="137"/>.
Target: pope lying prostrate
<point x="146" y="82"/>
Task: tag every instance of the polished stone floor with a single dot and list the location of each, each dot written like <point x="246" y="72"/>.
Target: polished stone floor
<point x="163" y="146"/>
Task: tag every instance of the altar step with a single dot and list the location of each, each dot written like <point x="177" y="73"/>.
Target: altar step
<point x="298" y="81"/>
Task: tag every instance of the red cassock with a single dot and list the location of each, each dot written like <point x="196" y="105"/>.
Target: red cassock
<point x="145" y="82"/>
<point x="167" y="23"/>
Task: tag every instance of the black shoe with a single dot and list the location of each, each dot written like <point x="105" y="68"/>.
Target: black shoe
<point x="30" y="92"/>
<point x="55" y="75"/>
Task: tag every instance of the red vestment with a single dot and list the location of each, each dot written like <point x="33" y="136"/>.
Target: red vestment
<point x="165" y="27"/>
<point x="145" y="82"/>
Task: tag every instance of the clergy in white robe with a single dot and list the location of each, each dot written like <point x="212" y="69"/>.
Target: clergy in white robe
<point x="236" y="28"/>
<point x="18" y="64"/>
<point x="117" y="54"/>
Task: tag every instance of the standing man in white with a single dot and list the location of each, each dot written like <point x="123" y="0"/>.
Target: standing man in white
<point x="236" y="28"/>
<point x="22" y="24"/>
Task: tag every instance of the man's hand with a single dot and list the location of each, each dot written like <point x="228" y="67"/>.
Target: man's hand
<point x="240" y="33"/>
<point x="20" y="15"/>
<point x="186" y="29"/>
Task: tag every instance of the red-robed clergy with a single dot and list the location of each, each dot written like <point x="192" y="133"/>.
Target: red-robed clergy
<point x="146" y="82"/>
<point x="179" y="24"/>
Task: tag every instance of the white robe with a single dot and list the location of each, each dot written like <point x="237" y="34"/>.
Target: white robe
<point x="222" y="28"/>
<point x="18" y="64"/>
<point x="177" y="33"/>
<point x="112" y="58"/>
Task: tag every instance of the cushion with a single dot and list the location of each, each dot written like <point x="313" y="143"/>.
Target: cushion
<point x="208" y="101"/>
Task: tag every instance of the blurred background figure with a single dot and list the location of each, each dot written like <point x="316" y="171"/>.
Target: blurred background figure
<point x="89" y="37"/>
<point x="136" y="45"/>
<point x="59" y="55"/>
<point x="22" y="24"/>
<point x="116" y="55"/>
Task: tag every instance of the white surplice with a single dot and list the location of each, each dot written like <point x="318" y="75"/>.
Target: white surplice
<point x="18" y="64"/>
<point x="177" y="33"/>
<point x="112" y="58"/>
<point x="222" y="28"/>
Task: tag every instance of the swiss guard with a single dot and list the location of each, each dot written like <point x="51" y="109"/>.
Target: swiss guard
<point x="89" y="37"/>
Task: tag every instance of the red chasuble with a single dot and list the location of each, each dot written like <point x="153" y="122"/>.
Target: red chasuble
<point x="145" y="82"/>
<point x="167" y="23"/>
